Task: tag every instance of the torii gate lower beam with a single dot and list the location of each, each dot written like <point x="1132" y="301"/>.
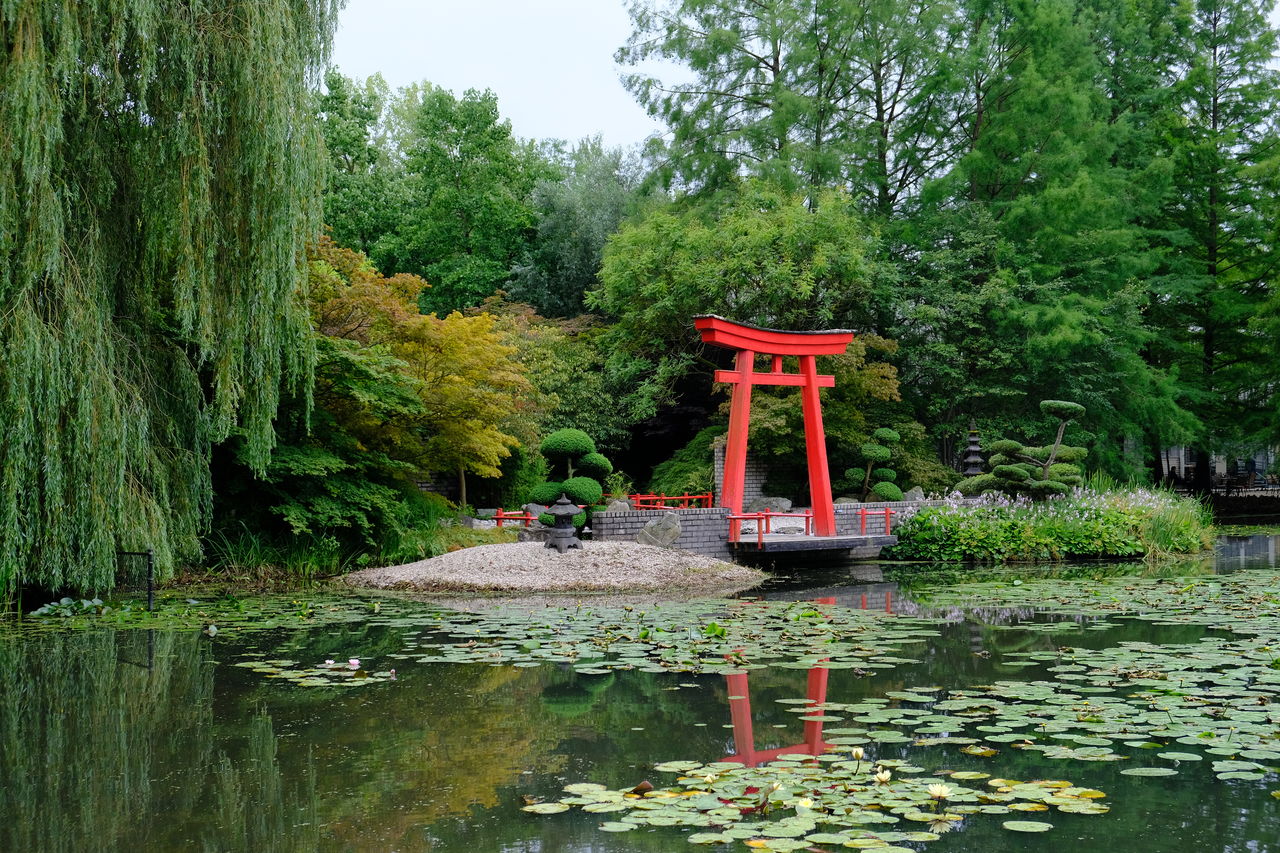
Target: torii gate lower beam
<point x="749" y="341"/>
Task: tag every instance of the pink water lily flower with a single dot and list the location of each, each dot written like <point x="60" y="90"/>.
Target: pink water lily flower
<point x="328" y="663"/>
<point x="354" y="663"/>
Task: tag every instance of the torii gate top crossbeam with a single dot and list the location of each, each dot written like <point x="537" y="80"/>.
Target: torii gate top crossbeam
<point x="739" y="336"/>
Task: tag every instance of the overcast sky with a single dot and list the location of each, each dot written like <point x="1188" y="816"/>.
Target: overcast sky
<point x="550" y="62"/>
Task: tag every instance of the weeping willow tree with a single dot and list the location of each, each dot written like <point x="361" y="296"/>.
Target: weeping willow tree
<point x="159" y="177"/>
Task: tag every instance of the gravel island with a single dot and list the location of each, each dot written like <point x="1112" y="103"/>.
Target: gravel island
<point x="531" y="567"/>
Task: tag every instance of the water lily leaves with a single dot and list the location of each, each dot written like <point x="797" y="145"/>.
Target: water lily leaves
<point x="1179" y="756"/>
<point x="545" y="808"/>
<point x="1149" y="771"/>
<point x="1027" y="826"/>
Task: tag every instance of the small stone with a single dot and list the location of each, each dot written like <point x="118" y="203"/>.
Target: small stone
<point x="618" y="506"/>
<point x="845" y="499"/>
<point x="662" y="532"/>
<point x="915" y="493"/>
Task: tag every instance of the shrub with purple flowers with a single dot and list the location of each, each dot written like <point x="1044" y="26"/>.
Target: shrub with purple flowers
<point x="1085" y="523"/>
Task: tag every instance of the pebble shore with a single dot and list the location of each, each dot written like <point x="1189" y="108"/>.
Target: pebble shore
<point x="532" y="567"/>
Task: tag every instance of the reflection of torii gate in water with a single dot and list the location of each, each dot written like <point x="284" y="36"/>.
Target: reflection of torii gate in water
<point x="750" y="341"/>
<point x="744" y="739"/>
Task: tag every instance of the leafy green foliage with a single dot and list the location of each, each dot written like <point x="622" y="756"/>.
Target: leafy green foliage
<point x="159" y="178"/>
<point x="575" y="215"/>
<point x="572" y="451"/>
<point x="759" y="256"/>
<point x="874" y="453"/>
<point x="596" y="466"/>
<point x="546" y="493"/>
<point x="1037" y="471"/>
<point x="689" y="470"/>
<point x="566" y="446"/>
<point x="468" y="181"/>
<point x="1087" y="524"/>
<point x="583" y="490"/>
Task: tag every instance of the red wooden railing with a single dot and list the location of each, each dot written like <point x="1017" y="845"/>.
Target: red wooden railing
<point x="655" y="501"/>
<point x="764" y="522"/>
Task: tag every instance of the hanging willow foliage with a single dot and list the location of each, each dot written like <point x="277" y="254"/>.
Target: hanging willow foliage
<point x="159" y="178"/>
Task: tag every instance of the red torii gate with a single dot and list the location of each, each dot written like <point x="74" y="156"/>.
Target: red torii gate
<point x="748" y="341"/>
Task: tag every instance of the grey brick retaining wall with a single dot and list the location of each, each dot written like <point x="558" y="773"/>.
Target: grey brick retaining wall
<point x="703" y="531"/>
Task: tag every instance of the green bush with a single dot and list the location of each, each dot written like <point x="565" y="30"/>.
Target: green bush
<point x="887" y="491"/>
<point x="546" y="493"/>
<point x="594" y="465"/>
<point x="566" y="445"/>
<point x="1083" y="524"/>
<point x="583" y="490"/>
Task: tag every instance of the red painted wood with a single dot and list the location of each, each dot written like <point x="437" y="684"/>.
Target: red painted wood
<point x="726" y="333"/>
<point x="735" y="451"/>
<point x="732" y="376"/>
<point x="748" y="340"/>
<point x="815" y="440"/>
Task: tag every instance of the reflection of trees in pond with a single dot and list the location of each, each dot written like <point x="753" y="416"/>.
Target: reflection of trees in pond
<point x="107" y="742"/>
<point x="396" y="758"/>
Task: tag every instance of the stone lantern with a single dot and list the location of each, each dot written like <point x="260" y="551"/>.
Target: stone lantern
<point x="562" y="535"/>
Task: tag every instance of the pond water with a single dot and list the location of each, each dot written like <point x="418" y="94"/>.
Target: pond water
<point x="133" y="733"/>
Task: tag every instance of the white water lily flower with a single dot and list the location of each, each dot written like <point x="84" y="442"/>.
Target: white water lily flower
<point x="883" y="776"/>
<point x="939" y="792"/>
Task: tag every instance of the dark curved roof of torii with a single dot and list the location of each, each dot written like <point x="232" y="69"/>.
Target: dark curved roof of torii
<point x="719" y="331"/>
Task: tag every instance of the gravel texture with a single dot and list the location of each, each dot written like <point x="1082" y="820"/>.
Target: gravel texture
<point x="532" y="567"/>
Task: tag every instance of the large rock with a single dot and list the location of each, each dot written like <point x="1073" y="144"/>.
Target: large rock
<point x="845" y="499"/>
<point x="618" y="506"/>
<point x="915" y="493"/>
<point x="763" y="504"/>
<point x="662" y="532"/>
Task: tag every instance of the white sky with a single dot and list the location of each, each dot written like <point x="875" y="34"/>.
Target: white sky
<point x="550" y="62"/>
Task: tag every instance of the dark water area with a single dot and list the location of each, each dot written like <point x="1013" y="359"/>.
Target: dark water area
<point x="154" y="740"/>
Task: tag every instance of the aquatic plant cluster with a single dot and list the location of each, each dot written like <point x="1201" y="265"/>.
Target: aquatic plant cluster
<point x="1085" y="523"/>
<point x="800" y="801"/>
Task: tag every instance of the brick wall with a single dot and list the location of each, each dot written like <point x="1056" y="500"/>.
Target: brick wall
<point x="753" y="479"/>
<point x="702" y="531"/>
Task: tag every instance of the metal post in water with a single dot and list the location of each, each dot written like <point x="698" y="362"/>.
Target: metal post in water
<point x="151" y="579"/>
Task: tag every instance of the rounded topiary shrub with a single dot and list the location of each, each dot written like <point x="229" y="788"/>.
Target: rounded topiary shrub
<point x="875" y="452"/>
<point x="885" y="474"/>
<point x="546" y="493"/>
<point x="886" y="435"/>
<point x="887" y="491"/>
<point x="583" y="490"/>
<point x="567" y="444"/>
<point x="594" y="465"/>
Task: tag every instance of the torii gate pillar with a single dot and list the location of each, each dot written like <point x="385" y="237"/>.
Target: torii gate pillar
<point x="748" y="341"/>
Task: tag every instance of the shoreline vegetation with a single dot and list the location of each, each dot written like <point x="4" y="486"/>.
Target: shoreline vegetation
<point x="1087" y="523"/>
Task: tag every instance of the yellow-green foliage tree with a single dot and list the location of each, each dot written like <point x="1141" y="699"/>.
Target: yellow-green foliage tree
<point x="398" y="396"/>
<point x="472" y="387"/>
